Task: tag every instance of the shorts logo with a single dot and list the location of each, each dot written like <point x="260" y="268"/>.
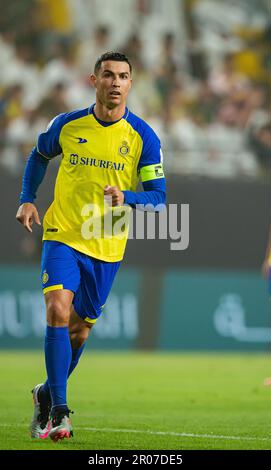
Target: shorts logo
<point x="45" y="277"/>
<point x="124" y="149"/>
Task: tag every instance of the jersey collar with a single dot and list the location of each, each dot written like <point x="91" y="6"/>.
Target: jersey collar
<point x="107" y="123"/>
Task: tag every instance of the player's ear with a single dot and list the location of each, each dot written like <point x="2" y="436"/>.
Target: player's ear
<point x="93" y="80"/>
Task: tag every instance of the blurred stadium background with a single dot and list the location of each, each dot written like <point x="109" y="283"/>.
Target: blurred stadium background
<point x="202" y="76"/>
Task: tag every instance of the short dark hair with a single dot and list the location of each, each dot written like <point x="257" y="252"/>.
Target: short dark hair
<point x="117" y="56"/>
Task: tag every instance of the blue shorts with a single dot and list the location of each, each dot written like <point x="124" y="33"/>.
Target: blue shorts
<point x="89" y="278"/>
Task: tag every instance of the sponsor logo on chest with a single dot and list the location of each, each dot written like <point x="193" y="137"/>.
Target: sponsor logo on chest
<point x="96" y="162"/>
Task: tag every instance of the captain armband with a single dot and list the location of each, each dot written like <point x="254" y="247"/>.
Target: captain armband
<point x="151" y="172"/>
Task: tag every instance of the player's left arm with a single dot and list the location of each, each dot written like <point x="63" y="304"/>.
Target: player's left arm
<point x="150" y="168"/>
<point x="153" y="196"/>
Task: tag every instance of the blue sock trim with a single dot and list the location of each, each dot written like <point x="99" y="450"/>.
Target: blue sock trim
<point x="60" y="405"/>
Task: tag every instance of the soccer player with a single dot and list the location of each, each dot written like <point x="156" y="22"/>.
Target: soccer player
<point x="105" y="149"/>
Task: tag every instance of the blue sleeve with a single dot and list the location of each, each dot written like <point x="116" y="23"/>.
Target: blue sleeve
<point x="151" y="149"/>
<point x="150" y="169"/>
<point x="35" y="170"/>
<point x="48" y="142"/>
<point x="154" y="193"/>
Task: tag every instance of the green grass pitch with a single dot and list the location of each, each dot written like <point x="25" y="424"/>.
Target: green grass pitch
<point x="146" y="401"/>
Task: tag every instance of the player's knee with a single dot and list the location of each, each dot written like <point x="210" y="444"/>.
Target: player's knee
<point x="57" y="313"/>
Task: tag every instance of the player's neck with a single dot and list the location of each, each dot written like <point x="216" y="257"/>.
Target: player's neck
<point x="108" y="115"/>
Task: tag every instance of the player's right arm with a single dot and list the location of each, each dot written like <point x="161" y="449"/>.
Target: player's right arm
<point x="35" y="170"/>
<point x="47" y="147"/>
<point x="27" y="214"/>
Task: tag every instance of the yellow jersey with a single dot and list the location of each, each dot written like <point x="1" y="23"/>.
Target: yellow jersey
<point x="96" y="154"/>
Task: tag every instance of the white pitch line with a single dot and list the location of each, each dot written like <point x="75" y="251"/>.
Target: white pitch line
<point x="178" y="434"/>
<point x="159" y="433"/>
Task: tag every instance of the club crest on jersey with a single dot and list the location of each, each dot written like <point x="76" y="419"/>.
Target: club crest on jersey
<point x="124" y="149"/>
<point x="45" y="277"/>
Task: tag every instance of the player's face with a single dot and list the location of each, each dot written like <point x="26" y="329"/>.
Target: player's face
<point x="112" y="82"/>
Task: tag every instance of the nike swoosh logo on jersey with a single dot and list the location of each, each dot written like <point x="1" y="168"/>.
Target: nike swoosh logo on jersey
<point x="81" y="141"/>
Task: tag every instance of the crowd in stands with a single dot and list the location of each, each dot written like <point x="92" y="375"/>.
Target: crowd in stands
<point x="205" y="91"/>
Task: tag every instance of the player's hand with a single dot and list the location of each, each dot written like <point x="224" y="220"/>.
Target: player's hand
<point x="116" y="196"/>
<point x="27" y="214"/>
<point x="265" y="268"/>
